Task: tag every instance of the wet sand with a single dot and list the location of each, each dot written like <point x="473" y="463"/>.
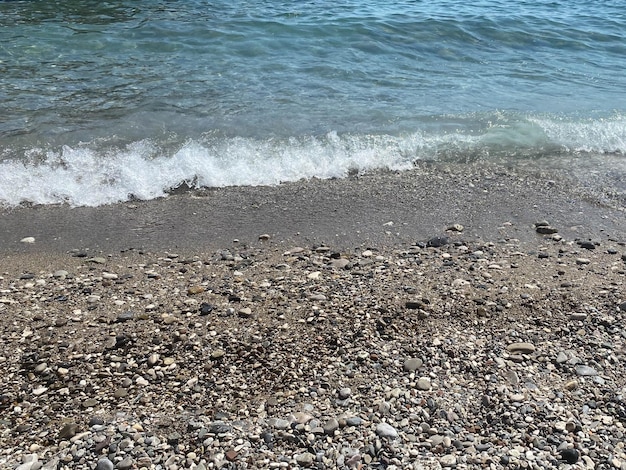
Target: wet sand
<point x="383" y="208"/>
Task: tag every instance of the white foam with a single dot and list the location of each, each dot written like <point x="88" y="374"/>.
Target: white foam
<point x="93" y="174"/>
<point x="84" y="176"/>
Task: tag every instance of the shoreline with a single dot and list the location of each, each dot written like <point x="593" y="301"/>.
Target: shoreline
<point x="382" y="208"/>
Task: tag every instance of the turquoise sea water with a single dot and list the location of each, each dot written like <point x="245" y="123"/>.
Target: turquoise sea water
<point x="104" y="101"/>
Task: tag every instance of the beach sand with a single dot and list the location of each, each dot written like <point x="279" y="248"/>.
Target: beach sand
<point x="386" y="320"/>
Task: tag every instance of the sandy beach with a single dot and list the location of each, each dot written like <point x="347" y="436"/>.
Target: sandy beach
<point x="437" y="318"/>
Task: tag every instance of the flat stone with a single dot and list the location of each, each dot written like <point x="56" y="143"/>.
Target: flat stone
<point x="436" y="242"/>
<point x="386" y="430"/>
<point x="447" y="460"/>
<point x="546" y="230"/>
<point x="219" y="427"/>
<point x="354" y="421"/>
<point x="125" y="464"/>
<point x="582" y="261"/>
<point x="412" y="364"/>
<point x="245" y="312"/>
<point x="125" y="316"/>
<point x="521" y="348"/>
<point x="28" y="240"/>
<point x="68" y="431"/>
<point x="585" y="371"/>
<point x="340" y="263"/>
<point x="279" y="423"/>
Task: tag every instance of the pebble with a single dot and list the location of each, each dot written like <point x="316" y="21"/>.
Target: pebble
<point x="305" y="459"/>
<point x="104" y="464"/>
<point x="386" y="430"/>
<point x="367" y="382"/>
<point x="522" y="348"/>
<point x="331" y="426"/>
<point x="412" y="364"/>
<point x="423" y="383"/>
<point x="585" y="371"/>
<point x="571" y="456"/>
<point x="28" y="240"/>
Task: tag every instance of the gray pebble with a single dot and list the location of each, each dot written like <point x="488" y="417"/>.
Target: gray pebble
<point x="386" y="430"/>
<point x="585" y="371"/>
<point x="104" y="464"/>
<point x="412" y="364"/>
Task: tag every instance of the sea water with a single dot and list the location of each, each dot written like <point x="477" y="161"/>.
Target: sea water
<point x="101" y="102"/>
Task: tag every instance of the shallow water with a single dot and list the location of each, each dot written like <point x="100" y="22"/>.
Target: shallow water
<point x="125" y="99"/>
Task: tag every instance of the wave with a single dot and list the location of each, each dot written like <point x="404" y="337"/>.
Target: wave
<point x="98" y="172"/>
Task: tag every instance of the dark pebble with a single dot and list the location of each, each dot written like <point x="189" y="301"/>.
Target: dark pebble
<point x="588" y="245"/>
<point x="96" y="421"/>
<point x="124" y="317"/>
<point x="570" y="455"/>
<point x="205" y="308"/>
<point x="436" y="242"/>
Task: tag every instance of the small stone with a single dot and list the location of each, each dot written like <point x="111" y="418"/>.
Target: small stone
<point x="97" y="260"/>
<point x="570" y="455"/>
<point x="587" y="245"/>
<point x="125" y="464"/>
<point x="245" y="312"/>
<point x="341" y="263"/>
<point x="545" y="230"/>
<point x="345" y="393"/>
<point x="264" y="237"/>
<point x="412" y="364"/>
<point x="622" y="306"/>
<point x="354" y="421"/>
<point x="68" y="431"/>
<point x="219" y="427"/>
<point x="120" y="393"/>
<point x="28" y="240"/>
<point x="109" y="276"/>
<point x="561" y="357"/>
<point x="582" y="261"/>
<point x="205" y="308"/>
<point x="89" y="403"/>
<point x="423" y="383"/>
<point x="447" y="460"/>
<point x="585" y="371"/>
<point x="521" y="348"/>
<point x="217" y="354"/>
<point x="386" y="430"/>
<point x="455" y="228"/>
<point x="437" y="242"/>
<point x="124" y="317"/>
<point x="193" y="290"/>
<point x="104" y="464"/>
<point x="571" y="385"/>
<point x="278" y="423"/>
<point x="305" y="459"/>
<point x="331" y="426"/>
<point x="231" y="455"/>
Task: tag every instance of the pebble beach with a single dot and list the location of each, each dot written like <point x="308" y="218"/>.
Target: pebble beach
<point x="431" y="327"/>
